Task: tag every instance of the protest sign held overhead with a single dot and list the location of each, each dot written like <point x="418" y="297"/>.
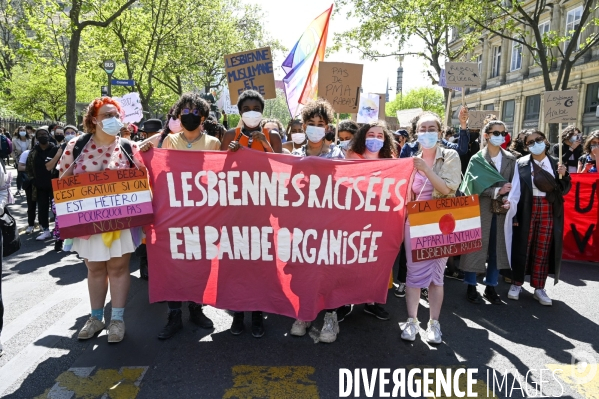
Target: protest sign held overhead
<point x="462" y="74"/>
<point x="443" y="81"/>
<point x="339" y="83"/>
<point x="476" y="118"/>
<point x="369" y="108"/>
<point x="131" y="107"/>
<point x="444" y="227"/>
<point x="252" y="230"/>
<point x="406" y="115"/>
<point x="560" y="106"/>
<point x="250" y="70"/>
<point x="101" y="202"/>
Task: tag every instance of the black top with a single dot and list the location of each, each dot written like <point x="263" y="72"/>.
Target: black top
<point x="43" y="177"/>
<point x="567" y="153"/>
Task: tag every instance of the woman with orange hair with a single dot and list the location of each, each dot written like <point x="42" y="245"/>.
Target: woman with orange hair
<point x="106" y="255"/>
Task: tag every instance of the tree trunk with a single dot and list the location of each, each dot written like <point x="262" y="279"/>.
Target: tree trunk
<point x="71" y="76"/>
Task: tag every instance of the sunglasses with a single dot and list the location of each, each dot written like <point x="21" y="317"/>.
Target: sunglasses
<point x="498" y="133"/>
<point x="187" y="111"/>
<point x="537" y="140"/>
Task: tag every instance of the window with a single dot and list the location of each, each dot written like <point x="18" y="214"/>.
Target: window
<point x="572" y="23"/>
<point x="516" y="56"/>
<point x="592" y="98"/>
<point x="488" y="107"/>
<point x="507" y="115"/>
<point x="496" y="61"/>
<point x="479" y="61"/>
<point x="544" y="27"/>
<point x="532" y="107"/>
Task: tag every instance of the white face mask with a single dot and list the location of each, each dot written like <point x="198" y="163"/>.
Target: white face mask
<point x="22" y="133"/>
<point x="315" y="133"/>
<point x="344" y="144"/>
<point x="573" y="139"/>
<point x="298" y="138"/>
<point x="251" y="119"/>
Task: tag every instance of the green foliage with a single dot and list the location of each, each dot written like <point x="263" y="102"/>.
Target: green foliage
<point x="427" y="98"/>
<point x="277" y="108"/>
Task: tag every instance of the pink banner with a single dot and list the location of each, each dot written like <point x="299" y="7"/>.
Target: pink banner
<point x="255" y="231"/>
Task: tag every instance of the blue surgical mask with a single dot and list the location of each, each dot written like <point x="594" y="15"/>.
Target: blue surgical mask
<point x="111" y="126"/>
<point x="344" y="144"/>
<point x="373" y="144"/>
<point x="22" y="133"/>
<point x="428" y="139"/>
<point x="537" y="148"/>
<point x="573" y="139"/>
<point x="497" y="140"/>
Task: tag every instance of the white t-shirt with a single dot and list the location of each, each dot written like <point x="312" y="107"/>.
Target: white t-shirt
<point x="23" y="157"/>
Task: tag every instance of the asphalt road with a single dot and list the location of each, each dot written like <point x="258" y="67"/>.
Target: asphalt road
<point x="45" y="296"/>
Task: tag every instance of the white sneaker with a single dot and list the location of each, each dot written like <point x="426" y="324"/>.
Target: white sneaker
<point x="29" y="230"/>
<point x="91" y="327"/>
<point x="116" y="331"/>
<point x="44" y="236"/>
<point x="330" y="329"/>
<point x="541" y="296"/>
<point x="514" y="292"/>
<point x="433" y="332"/>
<point x="410" y="330"/>
<point x="299" y="328"/>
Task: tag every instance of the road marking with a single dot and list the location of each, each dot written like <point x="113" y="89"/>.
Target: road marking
<point x="572" y="374"/>
<point x="288" y="382"/>
<point x="105" y="383"/>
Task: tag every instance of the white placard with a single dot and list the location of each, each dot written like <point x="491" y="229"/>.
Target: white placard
<point x="131" y="107"/>
<point x="224" y="103"/>
<point x="368" y="110"/>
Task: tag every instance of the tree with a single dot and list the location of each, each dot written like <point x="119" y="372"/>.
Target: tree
<point x="518" y="21"/>
<point x="277" y="108"/>
<point x="394" y="22"/>
<point x="427" y="98"/>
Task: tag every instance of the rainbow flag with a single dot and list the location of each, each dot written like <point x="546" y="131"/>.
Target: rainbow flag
<point x="301" y="65"/>
<point x="444" y="227"/>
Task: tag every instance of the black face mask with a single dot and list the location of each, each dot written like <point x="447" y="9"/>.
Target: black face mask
<point x="43" y="140"/>
<point x="190" y="121"/>
<point x="59" y="137"/>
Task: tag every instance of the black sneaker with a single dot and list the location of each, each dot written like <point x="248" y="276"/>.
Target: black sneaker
<point x="400" y="291"/>
<point x="492" y="296"/>
<point x="143" y="267"/>
<point x="257" y="324"/>
<point x="237" y="326"/>
<point x="175" y="323"/>
<point x="197" y="316"/>
<point x="377" y="311"/>
<point x="343" y="312"/>
<point x="456" y="274"/>
<point x="424" y="293"/>
<point x="58" y="245"/>
<point x="472" y="294"/>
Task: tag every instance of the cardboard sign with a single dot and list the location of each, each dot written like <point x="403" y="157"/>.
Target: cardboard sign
<point x="443" y="81"/>
<point x="250" y="70"/>
<point x="382" y="102"/>
<point x="462" y="74"/>
<point x="476" y="118"/>
<point x="369" y="108"/>
<point x="406" y="115"/>
<point x="339" y="83"/>
<point x="101" y="202"/>
<point x="444" y="227"/>
<point x="561" y="106"/>
<point x="131" y="107"/>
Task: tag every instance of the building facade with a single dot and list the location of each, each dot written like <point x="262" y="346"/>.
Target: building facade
<point x="512" y="83"/>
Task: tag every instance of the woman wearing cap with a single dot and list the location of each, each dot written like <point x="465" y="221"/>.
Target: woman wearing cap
<point x="106" y="255"/>
<point x="537" y="210"/>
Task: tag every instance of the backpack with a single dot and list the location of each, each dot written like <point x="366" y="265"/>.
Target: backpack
<point x="5" y="148"/>
<point x="84" y="139"/>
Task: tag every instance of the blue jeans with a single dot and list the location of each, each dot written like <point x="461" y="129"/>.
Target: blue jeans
<point x="492" y="272"/>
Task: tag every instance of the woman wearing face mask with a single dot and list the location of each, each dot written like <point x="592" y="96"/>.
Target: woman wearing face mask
<point x="517" y="147"/>
<point x="20" y="144"/>
<point x="315" y="117"/>
<point x="106" y="255"/>
<point x="588" y="161"/>
<point x="347" y="131"/>
<point x="571" y="142"/>
<point x="489" y="175"/>
<point x="438" y="176"/>
<point x="251" y="135"/>
<point x="295" y="135"/>
<point x="537" y="210"/>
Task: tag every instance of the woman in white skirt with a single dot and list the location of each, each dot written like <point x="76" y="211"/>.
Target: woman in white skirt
<point x="106" y="255"/>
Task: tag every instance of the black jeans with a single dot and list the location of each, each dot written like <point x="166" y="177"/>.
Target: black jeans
<point x="31" y="206"/>
<point x="44" y="199"/>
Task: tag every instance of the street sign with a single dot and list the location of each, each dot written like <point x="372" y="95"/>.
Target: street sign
<point x="104" y="91"/>
<point x="109" y="66"/>
<point x="118" y="82"/>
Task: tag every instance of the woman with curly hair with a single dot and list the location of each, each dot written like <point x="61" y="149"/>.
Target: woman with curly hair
<point x="316" y="116"/>
<point x="587" y="163"/>
<point x="106" y="255"/>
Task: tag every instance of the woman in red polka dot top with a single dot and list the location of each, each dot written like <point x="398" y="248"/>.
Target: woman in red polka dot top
<point x="106" y="255"/>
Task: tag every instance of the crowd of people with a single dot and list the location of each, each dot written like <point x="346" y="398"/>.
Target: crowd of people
<point x="523" y="185"/>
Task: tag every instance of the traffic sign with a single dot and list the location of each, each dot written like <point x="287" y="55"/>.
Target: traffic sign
<point x="119" y="82"/>
<point x="109" y="66"/>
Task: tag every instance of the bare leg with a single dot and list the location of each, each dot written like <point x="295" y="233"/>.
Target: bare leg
<point x="120" y="279"/>
<point x="97" y="283"/>
<point x="435" y="300"/>
<point x="412" y="301"/>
